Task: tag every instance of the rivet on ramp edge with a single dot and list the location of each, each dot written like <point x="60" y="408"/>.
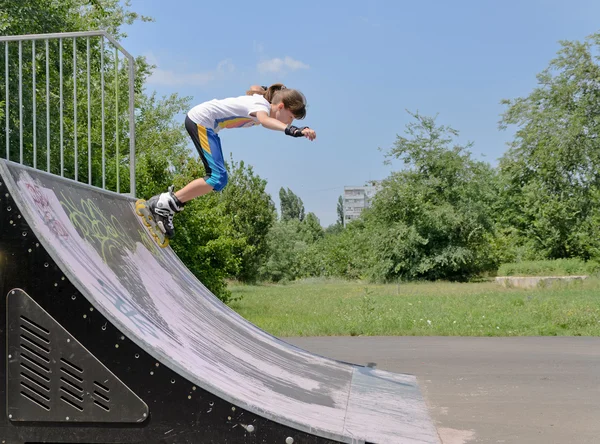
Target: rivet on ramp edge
<point x="289" y="440"/>
<point x="250" y="428"/>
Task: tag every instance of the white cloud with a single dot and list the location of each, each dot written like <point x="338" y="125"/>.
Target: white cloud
<point x="278" y="65"/>
<point x="169" y="77"/>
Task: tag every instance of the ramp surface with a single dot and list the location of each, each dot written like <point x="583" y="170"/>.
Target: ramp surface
<point x="147" y="293"/>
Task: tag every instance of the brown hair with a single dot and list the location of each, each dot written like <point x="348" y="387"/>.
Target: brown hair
<point x="292" y="99"/>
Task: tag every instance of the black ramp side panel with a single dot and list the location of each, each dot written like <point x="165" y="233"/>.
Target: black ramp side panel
<point x="52" y="377"/>
<point x="263" y="389"/>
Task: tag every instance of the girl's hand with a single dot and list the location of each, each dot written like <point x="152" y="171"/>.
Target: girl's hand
<point x="309" y="133"/>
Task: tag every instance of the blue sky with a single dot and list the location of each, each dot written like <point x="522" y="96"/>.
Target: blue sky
<point x="361" y="65"/>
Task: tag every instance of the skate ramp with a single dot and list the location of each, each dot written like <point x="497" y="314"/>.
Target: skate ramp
<point x="150" y="299"/>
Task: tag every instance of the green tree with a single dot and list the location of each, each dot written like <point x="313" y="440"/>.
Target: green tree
<point x="311" y="228"/>
<point x="287" y="247"/>
<point x="292" y="207"/>
<point x="551" y="173"/>
<point x="433" y="219"/>
<point x="340" y="211"/>
<point x="252" y="214"/>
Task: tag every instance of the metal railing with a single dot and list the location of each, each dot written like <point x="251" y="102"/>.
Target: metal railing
<point x="93" y="63"/>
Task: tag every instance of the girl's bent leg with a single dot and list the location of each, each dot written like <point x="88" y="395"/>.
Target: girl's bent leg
<point x="194" y="189"/>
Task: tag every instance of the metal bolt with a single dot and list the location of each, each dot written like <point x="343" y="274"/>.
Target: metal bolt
<point x="46" y="264"/>
<point x="67" y="418"/>
<point x="68" y="340"/>
<point x="250" y="428"/>
<point x="24" y="233"/>
<point x="289" y="440"/>
<point x="116" y="345"/>
<point x="233" y="409"/>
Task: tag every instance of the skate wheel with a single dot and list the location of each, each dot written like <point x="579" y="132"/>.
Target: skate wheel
<point x="139" y="205"/>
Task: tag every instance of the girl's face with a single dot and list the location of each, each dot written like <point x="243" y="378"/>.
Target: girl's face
<point x="282" y="114"/>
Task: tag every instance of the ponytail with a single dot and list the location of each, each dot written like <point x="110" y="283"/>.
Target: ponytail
<point x="267" y="92"/>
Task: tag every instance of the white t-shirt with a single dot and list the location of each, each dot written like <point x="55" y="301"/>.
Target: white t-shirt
<point x="233" y="112"/>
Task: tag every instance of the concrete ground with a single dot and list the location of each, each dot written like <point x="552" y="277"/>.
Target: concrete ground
<point x="530" y="390"/>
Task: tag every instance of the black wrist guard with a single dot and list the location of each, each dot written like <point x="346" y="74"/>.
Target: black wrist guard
<point x="294" y="131"/>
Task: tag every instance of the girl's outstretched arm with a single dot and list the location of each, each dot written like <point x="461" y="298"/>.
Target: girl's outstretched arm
<point x="274" y="124"/>
<point x="270" y="122"/>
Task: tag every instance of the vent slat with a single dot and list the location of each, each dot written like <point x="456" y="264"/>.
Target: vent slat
<point x="35" y="325"/>
<point x="28" y="359"/>
<point x="34" y="353"/>
<point x="35" y="335"/>
<point x="39" y="375"/>
<point x="31" y="389"/>
<point x="42" y="348"/>
<point x="44" y="406"/>
<point x="72" y="404"/>
<point x="33" y="381"/>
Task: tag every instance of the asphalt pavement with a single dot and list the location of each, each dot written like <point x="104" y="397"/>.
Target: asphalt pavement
<point x="527" y="390"/>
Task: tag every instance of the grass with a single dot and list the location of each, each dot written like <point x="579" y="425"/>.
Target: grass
<point x="557" y="267"/>
<point x="334" y="308"/>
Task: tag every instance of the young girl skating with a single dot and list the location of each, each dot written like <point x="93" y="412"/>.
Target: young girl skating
<point x="274" y="108"/>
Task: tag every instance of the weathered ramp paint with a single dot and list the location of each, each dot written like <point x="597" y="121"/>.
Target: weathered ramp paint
<point x="103" y="248"/>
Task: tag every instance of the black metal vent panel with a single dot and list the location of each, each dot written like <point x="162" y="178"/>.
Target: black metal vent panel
<point x="52" y="377"/>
